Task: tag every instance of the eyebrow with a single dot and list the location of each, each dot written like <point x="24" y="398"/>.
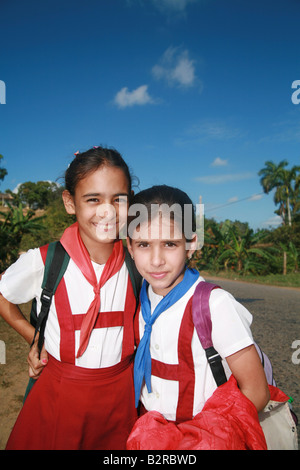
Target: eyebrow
<point x="100" y="194"/>
<point x="147" y="240"/>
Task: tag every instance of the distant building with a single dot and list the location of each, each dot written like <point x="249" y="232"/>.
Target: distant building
<point x="4" y="198"/>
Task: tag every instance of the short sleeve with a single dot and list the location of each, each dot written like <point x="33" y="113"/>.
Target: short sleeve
<point x="231" y="323"/>
<point x="22" y="281"/>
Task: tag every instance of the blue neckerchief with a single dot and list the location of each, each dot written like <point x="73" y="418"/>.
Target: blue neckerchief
<point x="142" y="363"/>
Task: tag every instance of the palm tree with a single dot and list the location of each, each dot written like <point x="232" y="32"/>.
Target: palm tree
<point x="286" y="184"/>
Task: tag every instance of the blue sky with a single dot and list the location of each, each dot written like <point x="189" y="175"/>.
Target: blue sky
<point x="193" y="93"/>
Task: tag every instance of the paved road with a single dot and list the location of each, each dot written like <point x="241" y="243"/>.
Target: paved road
<point x="276" y="325"/>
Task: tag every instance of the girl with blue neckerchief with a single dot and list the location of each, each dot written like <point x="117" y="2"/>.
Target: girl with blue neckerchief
<point x="171" y="372"/>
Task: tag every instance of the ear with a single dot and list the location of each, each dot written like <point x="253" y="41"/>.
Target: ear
<point x="68" y="202"/>
<point x="191" y="246"/>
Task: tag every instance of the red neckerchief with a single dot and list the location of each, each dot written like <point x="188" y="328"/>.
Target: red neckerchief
<point x="73" y="244"/>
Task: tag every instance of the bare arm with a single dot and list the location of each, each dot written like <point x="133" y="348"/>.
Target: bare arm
<point x="247" y="368"/>
<point x="14" y="317"/>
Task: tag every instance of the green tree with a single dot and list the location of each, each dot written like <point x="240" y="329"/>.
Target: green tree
<point x="286" y="183"/>
<point x="13" y="225"/>
<point x="38" y="195"/>
<point x="55" y="221"/>
<point x="246" y="251"/>
<point x="3" y="171"/>
<point x="214" y="243"/>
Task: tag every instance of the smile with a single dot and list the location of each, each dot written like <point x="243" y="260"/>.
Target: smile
<point x="107" y="227"/>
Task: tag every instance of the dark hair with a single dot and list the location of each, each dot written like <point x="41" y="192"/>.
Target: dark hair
<point x="158" y="196"/>
<point x="89" y="161"/>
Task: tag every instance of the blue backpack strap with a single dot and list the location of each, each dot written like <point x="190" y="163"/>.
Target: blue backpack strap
<point x="202" y="321"/>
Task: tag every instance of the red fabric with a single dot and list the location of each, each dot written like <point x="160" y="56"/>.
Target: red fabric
<point x="73" y="244"/>
<point x="73" y="408"/>
<point x="228" y="421"/>
<point x="69" y="323"/>
<point x="181" y="372"/>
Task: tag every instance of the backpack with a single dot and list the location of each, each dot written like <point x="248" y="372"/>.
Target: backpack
<point x="203" y="325"/>
<point x="277" y="420"/>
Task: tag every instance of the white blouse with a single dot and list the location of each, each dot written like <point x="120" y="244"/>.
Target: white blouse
<point x="230" y="333"/>
<point x="22" y="282"/>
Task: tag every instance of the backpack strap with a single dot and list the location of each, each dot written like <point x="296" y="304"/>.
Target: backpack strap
<point x="202" y="321"/>
<point x="55" y="266"/>
<point x="135" y="277"/>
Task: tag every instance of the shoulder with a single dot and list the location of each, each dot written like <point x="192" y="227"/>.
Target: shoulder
<point x="221" y="299"/>
<point x="225" y="308"/>
<point x="22" y="279"/>
<point x="29" y="260"/>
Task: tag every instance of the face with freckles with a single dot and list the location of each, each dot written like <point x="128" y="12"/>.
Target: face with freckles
<point x="159" y="251"/>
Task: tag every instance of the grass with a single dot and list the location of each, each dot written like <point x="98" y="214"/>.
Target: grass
<point x="288" y="280"/>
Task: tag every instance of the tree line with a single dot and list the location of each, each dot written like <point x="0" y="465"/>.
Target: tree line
<point x="35" y="215"/>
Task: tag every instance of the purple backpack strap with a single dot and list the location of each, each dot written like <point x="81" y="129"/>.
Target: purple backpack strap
<point x="203" y="325"/>
<point x="201" y="312"/>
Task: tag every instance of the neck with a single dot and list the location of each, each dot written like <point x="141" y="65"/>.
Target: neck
<point x="102" y="253"/>
<point x="99" y="252"/>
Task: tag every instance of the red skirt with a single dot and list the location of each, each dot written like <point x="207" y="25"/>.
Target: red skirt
<point x="74" y="408"/>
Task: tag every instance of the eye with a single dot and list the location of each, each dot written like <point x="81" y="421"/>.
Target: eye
<point x="121" y="200"/>
<point x="93" y="200"/>
<point x="170" y="244"/>
<point x="143" y="244"/>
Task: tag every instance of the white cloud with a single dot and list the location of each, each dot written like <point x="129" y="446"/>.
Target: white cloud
<point x="219" y="179"/>
<point x="232" y="200"/>
<point x="140" y="96"/>
<point x="173" y="9"/>
<point x="256" y="197"/>
<point x="176" y="68"/>
<point x="284" y="131"/>
<point x="172" y="5"/>
<point x="219" y="162"/>
<point x="272" y="222"/>
<point x="214" y="129"/>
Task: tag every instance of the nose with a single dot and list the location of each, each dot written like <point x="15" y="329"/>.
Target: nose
<point x="157" y="258"/>
<point x="106" y="211"/>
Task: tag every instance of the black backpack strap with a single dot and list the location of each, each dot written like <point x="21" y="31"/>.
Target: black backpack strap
<point x="56" y="263"/>
<point x="135" y="277"/>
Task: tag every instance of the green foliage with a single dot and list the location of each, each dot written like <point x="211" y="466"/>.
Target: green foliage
<point x="13" y="225"/>
<point x="37" y="195"/>
<point x="234" y="247"/>
<point x="54" y="222"/>
<point x="287" y="188"/>
<point x="229" y="246"/>
<point x="3" y="171"/>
